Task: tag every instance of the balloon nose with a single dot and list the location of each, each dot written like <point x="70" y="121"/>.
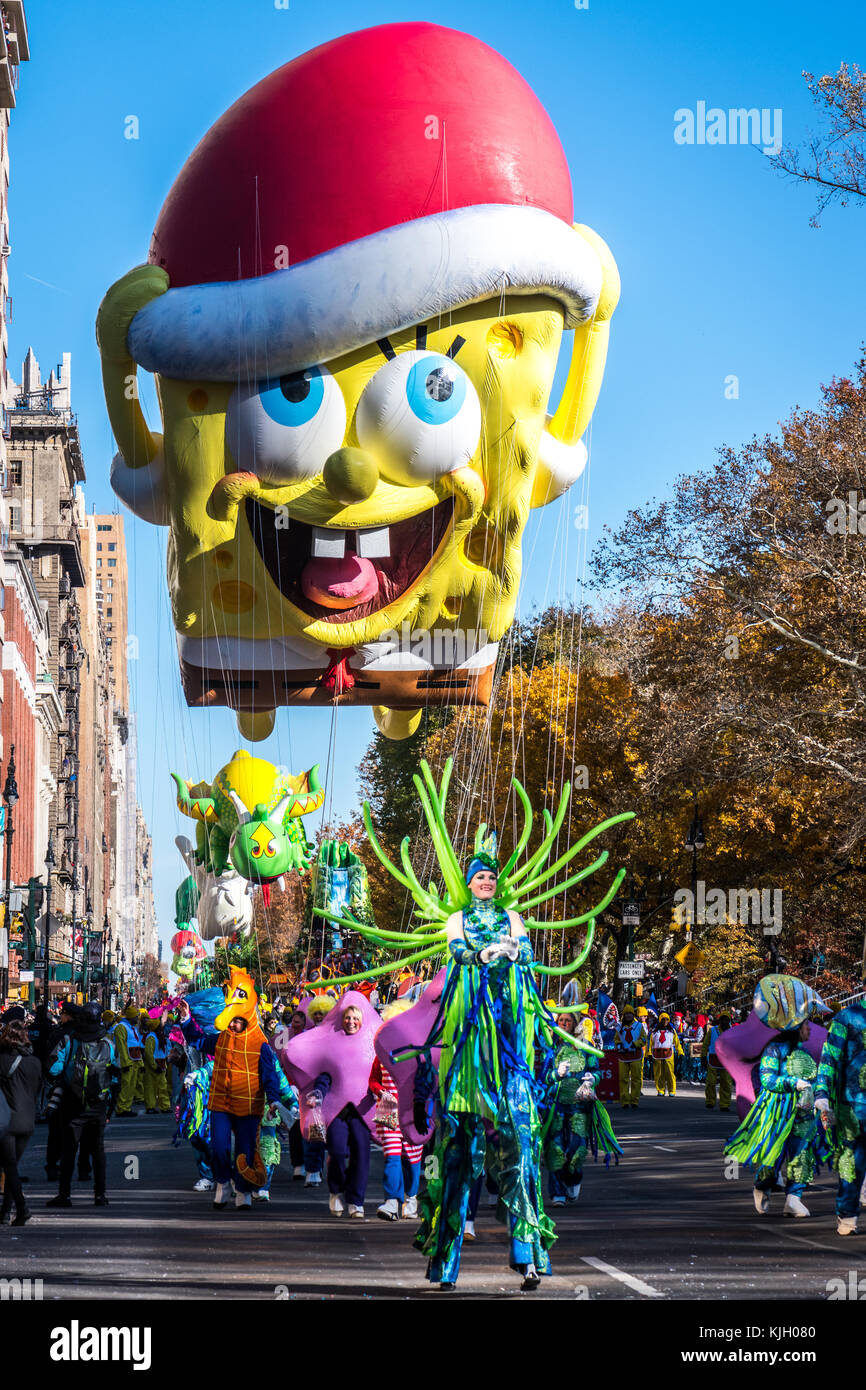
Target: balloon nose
<point x="350" y="476"/>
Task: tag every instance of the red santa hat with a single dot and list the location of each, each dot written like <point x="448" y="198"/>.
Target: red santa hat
<point x="376" y="182"/>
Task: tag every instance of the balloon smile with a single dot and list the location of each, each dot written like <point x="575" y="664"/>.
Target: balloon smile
<point x="343" y="575"/>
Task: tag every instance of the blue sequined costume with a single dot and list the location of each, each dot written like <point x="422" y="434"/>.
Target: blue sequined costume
<point x="842" y="1082"/>
<point x="574" y="1125"/>
<point x="488" y="1113"/>
<point x="780" y="1136"/>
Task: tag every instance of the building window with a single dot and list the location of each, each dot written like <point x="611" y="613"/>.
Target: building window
<point x="111" y="564"/>
<point x="99" y="545"/>
<point x="15" y="466"/>
<point x="15" y="516"/>
<point x="111" y="545"/>
<point x="103" y="528"/>
<point x="108" y="611"/>
<point x="110" y="582"/>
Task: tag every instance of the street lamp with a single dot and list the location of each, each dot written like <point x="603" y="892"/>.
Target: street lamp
<point x="10" y="796"/>
<point x="49" y="866"/>
<point x="695" y="841"/>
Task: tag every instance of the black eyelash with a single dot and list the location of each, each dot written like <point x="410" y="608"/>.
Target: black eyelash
<point x="455" y="347"/>
<point x="385" y="348"/>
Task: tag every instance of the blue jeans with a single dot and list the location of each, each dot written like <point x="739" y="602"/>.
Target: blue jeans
<point x="202" y="1157"/>
<point x="245" y="1129"/>
<point x="400" y="1178"/>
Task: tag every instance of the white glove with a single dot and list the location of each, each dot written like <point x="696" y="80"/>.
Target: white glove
<point x="511" y="948"/>
<point x="562" y="1069"/>
<point x="490" y="953"/>
<point x="824" y="1112"/>
<point x="803" y="1085"/>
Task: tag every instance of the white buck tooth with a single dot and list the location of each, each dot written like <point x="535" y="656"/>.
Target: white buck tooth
<point x="328" y="545"/>
<point x="375" y="543"/>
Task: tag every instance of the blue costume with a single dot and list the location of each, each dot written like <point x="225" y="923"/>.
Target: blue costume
<point x="780" y="1131"/>
<point x="841" y="1085"/>
<point x="577" y="1122"/>
<point x="488" y="1095"/>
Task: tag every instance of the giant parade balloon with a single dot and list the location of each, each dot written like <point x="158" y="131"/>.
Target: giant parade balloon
<point x="354" y="301"/>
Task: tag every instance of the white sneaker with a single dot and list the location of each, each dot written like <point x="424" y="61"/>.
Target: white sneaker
<point x="336" y="1205"/>
<point x="220" y="1194"/>
<point x="313" y="1180"/>
<point x="356" y="1212"/>
<point x="389" y="1210"/>
<point x="762" y="1201"/>
<point x="469" y="1230"/>
<point x="243" y="1201"/>
<point x="557" y="1201"/>
<point x="573" y="1192"/>
<point x="410" y="1209"/>
<point x="846" y="1225"/>
<point x="794" y="1207"/>
<point x="299" y="1172"/>
<point x="262" y="1195"/>
<point x="203" y="1185"/>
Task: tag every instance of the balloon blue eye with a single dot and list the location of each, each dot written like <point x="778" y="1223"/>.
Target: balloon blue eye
<point x="435" y="389"/>
<point x="294" y="399"/>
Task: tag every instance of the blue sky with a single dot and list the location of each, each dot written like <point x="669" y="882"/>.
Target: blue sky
<point x="722" y="274"/>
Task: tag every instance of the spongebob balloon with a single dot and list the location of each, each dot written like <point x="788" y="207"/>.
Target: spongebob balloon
<point x="354" y="302"/>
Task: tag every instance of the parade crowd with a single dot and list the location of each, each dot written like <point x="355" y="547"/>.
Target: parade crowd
<point x="77" y="1067"/>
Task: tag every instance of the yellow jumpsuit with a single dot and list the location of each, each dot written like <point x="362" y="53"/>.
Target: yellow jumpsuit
<point x="127" y="1043"/>
<point x="716" y="1075"/>
<point x="629" y="1041"/>
<point x="156" y="1092"/>
<point x="665" y="1041"/>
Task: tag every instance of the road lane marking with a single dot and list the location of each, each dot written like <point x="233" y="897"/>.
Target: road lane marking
<point x="633" y="1283"/>
<point x="664" y="1148"/>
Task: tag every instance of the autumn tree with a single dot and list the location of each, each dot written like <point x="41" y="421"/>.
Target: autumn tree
<point x="832" y="160"/>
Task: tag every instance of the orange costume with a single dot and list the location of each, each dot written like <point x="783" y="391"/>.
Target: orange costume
<point x="245" y="1072"/>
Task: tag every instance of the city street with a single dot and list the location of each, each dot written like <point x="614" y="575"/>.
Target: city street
<point x="664" y="1225"/>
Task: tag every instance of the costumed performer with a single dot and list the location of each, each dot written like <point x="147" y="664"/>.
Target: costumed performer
<point x="780" y="1135"/>
<point x="665" y="1046"/>
<point x="840" y="1099"/>
<point x="630" y="1041"/>
<point x="246" y="1071"/>
<point x="717" y="1076"/>
<point x="577" y="1120"/>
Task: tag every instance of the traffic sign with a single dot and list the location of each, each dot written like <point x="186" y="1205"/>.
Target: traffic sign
<point x="690" y="957"/>
<point x="631" y="970"/>
<point x="631" y="914"/>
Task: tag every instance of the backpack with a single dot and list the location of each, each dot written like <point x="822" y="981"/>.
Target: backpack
<point x="89" y="1075"/>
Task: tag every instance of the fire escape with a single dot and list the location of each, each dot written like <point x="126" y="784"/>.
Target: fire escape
<point x="69" y="683"/>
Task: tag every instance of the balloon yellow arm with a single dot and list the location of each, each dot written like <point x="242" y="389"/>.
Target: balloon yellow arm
<point x="119" y="372"/>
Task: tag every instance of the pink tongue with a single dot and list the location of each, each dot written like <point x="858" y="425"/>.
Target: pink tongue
<point x="340" y="583"/>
